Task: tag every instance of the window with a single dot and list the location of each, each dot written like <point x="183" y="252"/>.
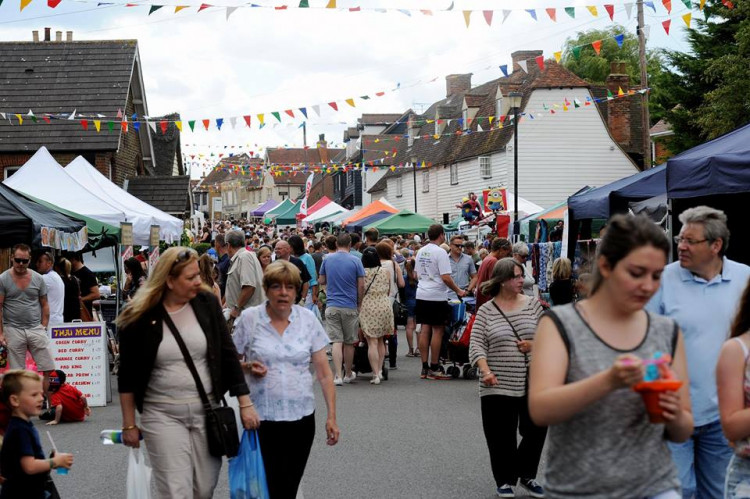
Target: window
<point x="499" y="107"/>
<point x="465" y="116"/>
<point x="399" y="187"/>
<point x="485" y="167"/>
<point x="426" y="181"/>
<point x="10" y="170"/>
<point x="454" y="174"/>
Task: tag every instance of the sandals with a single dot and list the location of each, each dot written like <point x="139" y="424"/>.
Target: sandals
<point x="415" y="353"/>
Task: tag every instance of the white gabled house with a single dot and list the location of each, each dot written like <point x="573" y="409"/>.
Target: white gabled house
<point x="464" y="149"/>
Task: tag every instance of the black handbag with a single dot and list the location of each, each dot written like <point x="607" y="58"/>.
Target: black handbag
<point x="221" y="425"/>
<point x="400" y="313"/>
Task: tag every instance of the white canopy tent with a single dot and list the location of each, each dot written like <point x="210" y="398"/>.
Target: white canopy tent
<point x="525" y="207"/>
<point x="140" y="212"/>
<point x="325" y="212"/>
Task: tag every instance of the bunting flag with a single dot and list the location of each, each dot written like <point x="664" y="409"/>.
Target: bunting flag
<point x="276" y="115"/>
<point x="523" y="66"/>
<point x="219" y="122"/>
<point x="331" y="4"/>
<point x="180" y="7"/>
<point x="261" y="119"/>
<point x="191" y="124"/>
<point x="592" y="9"/>
<point x="163" y="126"/>
<point x="620" y="92"/>
<point x="247" y="119"/>
<point x="350" y="102"/>
<point x="178" y="124"/>
<point x="303" y="4"/>
<point x="620" y="39"/>
<point x="629" y="10"/>
<point x="50" y="3"/>
<point x="230" y="11"/>
<point x="667" y="5"/>
<point x="316" y="108"/>
<point x="85" y="124"/>
<point x="467" y="17"/>
<point x="506" y="13"/>
<point x="552" y="13"/>
<point x="688" y="4"/>
<point x="611" y="11"/>
<point x="650" y="4"/>
<point x="666" y="25"/>
<point x="154" y="8"/>
<point x="702" y="4"/>
<point x="558" y="56"/>
<point x="576" y="52"/>
<point x="540" y="62"/>
<point x="571" y="11"/>
<point x="334" y="106"/>
<point x="206" y="123"/>
<point x="204" y="6"/>
<point x="597" y="46"/>
<point x="532" y="13"/>
<point x="302" y="110"/>
<point x="504" y="69"/>
<point x="97" y="125"/>
<point x="24" y="4"/>
<point x="488" y="17"/>
<point x="290" y="113"/>
<point x="687" y="18"/>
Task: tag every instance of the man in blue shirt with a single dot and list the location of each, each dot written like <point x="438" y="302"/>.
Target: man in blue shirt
<point x="344" y="276"/>
<point x="702" y="292"/>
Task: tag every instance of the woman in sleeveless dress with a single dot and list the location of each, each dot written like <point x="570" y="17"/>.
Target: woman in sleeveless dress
<point x="733" y="383"/>
<point x="587" y="357"/>
<point x="376" y="314"/>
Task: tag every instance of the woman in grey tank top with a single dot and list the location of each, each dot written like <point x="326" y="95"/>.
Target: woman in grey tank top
<point x="587" y="357"/>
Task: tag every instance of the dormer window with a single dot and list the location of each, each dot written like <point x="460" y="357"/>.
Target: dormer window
<point x="465" y="116"/>
<point x="499" y="109"/>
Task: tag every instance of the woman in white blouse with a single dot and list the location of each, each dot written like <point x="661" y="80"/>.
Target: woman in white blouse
<point x="279" y="340"/>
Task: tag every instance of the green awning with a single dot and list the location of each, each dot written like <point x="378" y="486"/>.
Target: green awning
<point x="289" y="217"/>
<point x="101" y="234"/>
<point x="403" y="222"/>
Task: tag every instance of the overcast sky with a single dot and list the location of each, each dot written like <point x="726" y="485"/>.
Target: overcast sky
<point x="263" y="60"/>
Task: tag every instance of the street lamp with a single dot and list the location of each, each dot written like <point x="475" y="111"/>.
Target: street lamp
<point x="414" y="172"/>
<point x="514" y="99"/>
<point x="289" y="187"/>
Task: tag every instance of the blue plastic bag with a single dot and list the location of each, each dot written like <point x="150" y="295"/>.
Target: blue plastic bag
<point x="247" y="475"/>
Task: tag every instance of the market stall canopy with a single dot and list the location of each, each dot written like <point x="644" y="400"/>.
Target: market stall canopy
<point x="289" y="217"/>
<point x="42" y="178"/>
<point x="101" y="235"/>
<point x="359" y="224"/>
<point x="525" y="207"/>
<point x="325" y="213"/>
<point x="273" y="212"/>
<point x="650" y="184"/>
<point x="716" y="167"/>
<point x="262" y="209"/>
<point x="312" y="209"/>
<point x="403" y="222"/>
<point x="371" y="209"/>
<point x="140" y="213"/>
<point x="655" y="208"/>
<point x="25" y="221"/>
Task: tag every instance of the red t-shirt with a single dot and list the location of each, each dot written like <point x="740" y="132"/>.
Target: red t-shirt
<point x="484" y="274"/>
<point x="71" y="400"/>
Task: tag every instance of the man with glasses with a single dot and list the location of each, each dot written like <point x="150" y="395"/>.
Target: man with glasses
<point x="25" y="314"/>
<point x="463" y="271"/>
<point x="701" y="293"/>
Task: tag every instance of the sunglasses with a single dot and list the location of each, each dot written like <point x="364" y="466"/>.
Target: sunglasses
<point x="185" y="255"/>
<point x="23" y="261"/>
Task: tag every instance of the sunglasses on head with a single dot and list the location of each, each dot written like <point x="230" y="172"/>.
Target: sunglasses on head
<point x="184" y="255"/>
<point x="21" y="260"/>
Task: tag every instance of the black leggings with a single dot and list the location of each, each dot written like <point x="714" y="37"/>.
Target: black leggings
<point x="503" y="418"/>
<point x="285" y="446"/>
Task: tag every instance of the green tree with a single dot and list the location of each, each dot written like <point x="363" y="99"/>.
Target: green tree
<point x="707" y="92"/>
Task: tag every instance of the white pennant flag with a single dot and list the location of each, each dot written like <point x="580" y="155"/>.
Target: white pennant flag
<point x="233" y="121"/>
<point x="506" y="13"/>
<point x="628" y="9"/>
<point x="316" y="108"/>
<point x="523" y="66"/>
<point x="73" y="115"/>
<point x="2" y="115"/>
<point x="479" y="128"/>
<point x="230" y="11"/>
<point x="646" y="32"/>
<point x="152" y="126"/>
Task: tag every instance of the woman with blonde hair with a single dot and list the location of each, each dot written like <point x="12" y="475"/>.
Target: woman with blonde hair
<point x="264" y="256"/>
<point x="208" y="274"/>
<point x="561" y="290"/>
<point x="154" y="378"/>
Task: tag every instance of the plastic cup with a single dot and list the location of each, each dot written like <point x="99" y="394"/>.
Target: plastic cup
<point x="650" y="391"/>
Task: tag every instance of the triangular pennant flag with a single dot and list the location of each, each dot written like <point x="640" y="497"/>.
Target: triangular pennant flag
<point x="24" y="4"/>
<point x="702" y="4"/>
<point x="576" y="103"/>
<point x="523" y="66"/>
<point x="119" y="113"/>
<point x="247" y="120"/>
<point x="261" y="119"/>
<point x="230" y="11"/>
<point x="629" y="9"/>
<point x="491" y="119"/>
<point x="571" y="11"/>
<point x="619" y="39"/>
<point x="85" y="124"/>
<point x="597" y="46"/>
<point x="97" y="125"/>
<point x="111" y="125"/>
<point x="576" y="52"/>
<point x="592" y="9"/>
<point x="350" y="102"/>
<point x="487" y="17"/>
<point x="609" y="95"/>
<point x="45" y="117"/>
<point x="316" y="108"/>
<point x="506" y="13"/>
<point x="650" y="4"/>
<point x="504" y="69"/>
<point x="331" y="4"/>
<point x="426" y="12"/>
<point x="154" y="8"/>
<point x="303" y="110"/>
<point x="532" y="13"/>
<point x="646" y="31"/>
<point x="666" y="25"/>
<point x="687" y="18"/>
<point x="204" y="6"/>
<point x="152" y="126"/>
<point x="303" y="4"/>
<point x="467" y="17"/>
<point x="611" y="11"/>
<point x="405" y="12"/>
<point x="451" y="6"/>
<point x="178" y="124"/>
<point x="688" y="4"/>
<point x="290" y="113"/>
<point x="233" y="122"/>
<point x="552" y="13"/>
<point x="219" y="122"/>
<point x="163" y="125"/>
<point x="540" y="62"/>
<point x="620" y="93"/>
<point x="334" y="106"/>
<point x="180" y="7"/>
<point x="206" y="123"/>
<point x="124" y="126"/>
<point x="667" y="5"/>
<point x="51" y="3"/>
<point x="558" y="56"/>
<point x="277" y="116"/>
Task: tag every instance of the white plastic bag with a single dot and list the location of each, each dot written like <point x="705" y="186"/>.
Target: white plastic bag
<point x="139" y="475"/>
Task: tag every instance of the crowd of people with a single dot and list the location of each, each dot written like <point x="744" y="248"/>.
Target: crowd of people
<point x="250" y="316"/>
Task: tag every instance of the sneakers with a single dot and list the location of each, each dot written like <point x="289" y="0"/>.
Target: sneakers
<point x="393" y="367"/>
<point x="505" y="491"/>
<point x="338" y="381"/>
<point x="424" y="374"/>
<point x="532" y="487"/>
<point x="349" y="379"/>
<point x="375" y="380"/>
<point x="438" y="374"/>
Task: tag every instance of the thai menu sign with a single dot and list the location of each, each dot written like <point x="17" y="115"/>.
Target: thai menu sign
<point x="80" y="350"/>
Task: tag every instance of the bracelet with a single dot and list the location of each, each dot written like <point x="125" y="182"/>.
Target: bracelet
<point x="52" y="464"/>
<point x="485" y="374"/>
<point x="131" y="427"/>
<point x="246" y="406"/>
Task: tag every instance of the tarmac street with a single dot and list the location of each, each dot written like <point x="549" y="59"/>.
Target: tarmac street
<point x="406" y="437"/>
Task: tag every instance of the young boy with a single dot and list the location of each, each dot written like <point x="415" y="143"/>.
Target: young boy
<point x="22" y="460"/>
<point x="67" y="403"/>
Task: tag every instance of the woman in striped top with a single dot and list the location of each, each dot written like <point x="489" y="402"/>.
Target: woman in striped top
<point x="501" y="342"/>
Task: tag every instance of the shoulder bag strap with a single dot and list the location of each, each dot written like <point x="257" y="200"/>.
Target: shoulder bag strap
<point x="373" y="280"/>
<point x="188" y="359"/>
<point x="512" y="327"/>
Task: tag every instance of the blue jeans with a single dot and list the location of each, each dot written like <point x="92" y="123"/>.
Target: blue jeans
<point x="702" y="462"/>
<point x="738" y="479"/>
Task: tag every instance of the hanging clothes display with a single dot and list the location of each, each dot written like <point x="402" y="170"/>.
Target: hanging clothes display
<point x="542" y="256"/>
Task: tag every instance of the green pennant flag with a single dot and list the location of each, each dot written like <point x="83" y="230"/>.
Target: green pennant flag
<point x="154" y="8"/>
<point x="571" y="11"/>
<point x="688" y="4"/>
<point x="111" y="125"/>
<point x="609" y="95"/>
<point x="577" y="52"/>
<point x="277" y="116"/>
<point x="191" y="124"/>
<point x="575" y="103"/>
<point x="304" y="4"/>
<point x="33" y="118"/>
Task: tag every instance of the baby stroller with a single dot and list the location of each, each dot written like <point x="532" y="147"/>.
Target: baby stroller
<point x="362" y="362"/>
<point x="457" y="348"/>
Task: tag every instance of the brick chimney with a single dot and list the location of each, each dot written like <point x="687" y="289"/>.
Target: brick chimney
<point x="618" y="110"/>
<point x="323" y="148"/>
<point x="456" y="84"/>
<point x="524" y="55"/>
<point x="413" y="128"/>
<point x="47" y="34"/>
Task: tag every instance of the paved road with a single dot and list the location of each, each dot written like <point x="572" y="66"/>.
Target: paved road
<point x="404" y="438"/>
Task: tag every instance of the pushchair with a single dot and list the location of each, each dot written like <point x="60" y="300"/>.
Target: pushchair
<point x="456" y="344"/>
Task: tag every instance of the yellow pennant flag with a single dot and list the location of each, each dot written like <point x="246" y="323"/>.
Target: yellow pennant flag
<point x="178" y="124"/>
<point x="558" y="56"/>
<point x="592" y="9"/>
<point x="261" y="118"/>
<point x="393" y="168"/>
<point x="179" y="8"/>
<point x="687" y="18"/>
<point x="20" y="119"/>
<point x="703" y="4"/>
<point x="492" y="118"/>
<point x="467" y="17"/>
<point x="331" y="4"/>
<point x="350" y="102"/>
<point x="565" y="108"/>
<point x="97" y="125"/>
<point x="24" y="4"/>
<point x="620" y="93"/>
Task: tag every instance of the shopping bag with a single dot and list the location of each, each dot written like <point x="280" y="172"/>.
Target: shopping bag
<point x="247" y="475"/>
<point x="139" y="475"/>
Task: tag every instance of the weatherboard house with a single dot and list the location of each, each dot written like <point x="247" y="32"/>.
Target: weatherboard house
<point x="464" y="142"/>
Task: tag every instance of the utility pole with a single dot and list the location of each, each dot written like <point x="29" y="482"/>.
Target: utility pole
<point x="645" y="120"/>
<point x="304" y="134"/>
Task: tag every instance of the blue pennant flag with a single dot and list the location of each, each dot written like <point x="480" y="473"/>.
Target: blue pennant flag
<point x="532" y="12"/>
<point x="504" y="69"/>
<point x="219" y="122"/>
<point x="650" y="4"/>
<point x="619" y="39"/>
<point x="303" y="110"/>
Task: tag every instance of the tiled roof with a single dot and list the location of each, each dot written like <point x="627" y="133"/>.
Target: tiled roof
<point x="220" y="173"/>
<point x="167" y="147"/>
<point x="294" y="178"/>
<point x="662" y="127"/>
<point x="170" y="194"/>
<point x="307" y="155"/>
<point x="378" y="119"/>
<point x="474" y="100"/>
<point x="88" y="77"/>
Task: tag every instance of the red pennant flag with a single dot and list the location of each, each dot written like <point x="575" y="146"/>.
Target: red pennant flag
<point x="290" y="112"/>
<point x="280" y="7"/>
<point x="84" y="123"/>
<point x="163" y="126"/>
<point x="552" y="13"/>
<point x="206" y="123"/>
<point x="597" y="46"/>
<point x="666" y="25"/>
<point x="247" y="120"/>
<point x="611" y="11"/>
<point x="487" y="17"/>
<point x="540" y="62"/>
<point x="334" y="106"/>
<point x="124" y="126"/>
<point x="131" y="5"/>
<point x="204" y="6"/>
<point x="354" y="9"/>
<point x="46" y="118"/>
<point x="53" y="3"/>
<point x="667" y="5"/>
<point x="380" y="94"/>
<point x="727" y="4"/>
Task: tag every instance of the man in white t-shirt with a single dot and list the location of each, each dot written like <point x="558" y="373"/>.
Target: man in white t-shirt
<point x="432" y="310"/>
<point x="55" y="288"/>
